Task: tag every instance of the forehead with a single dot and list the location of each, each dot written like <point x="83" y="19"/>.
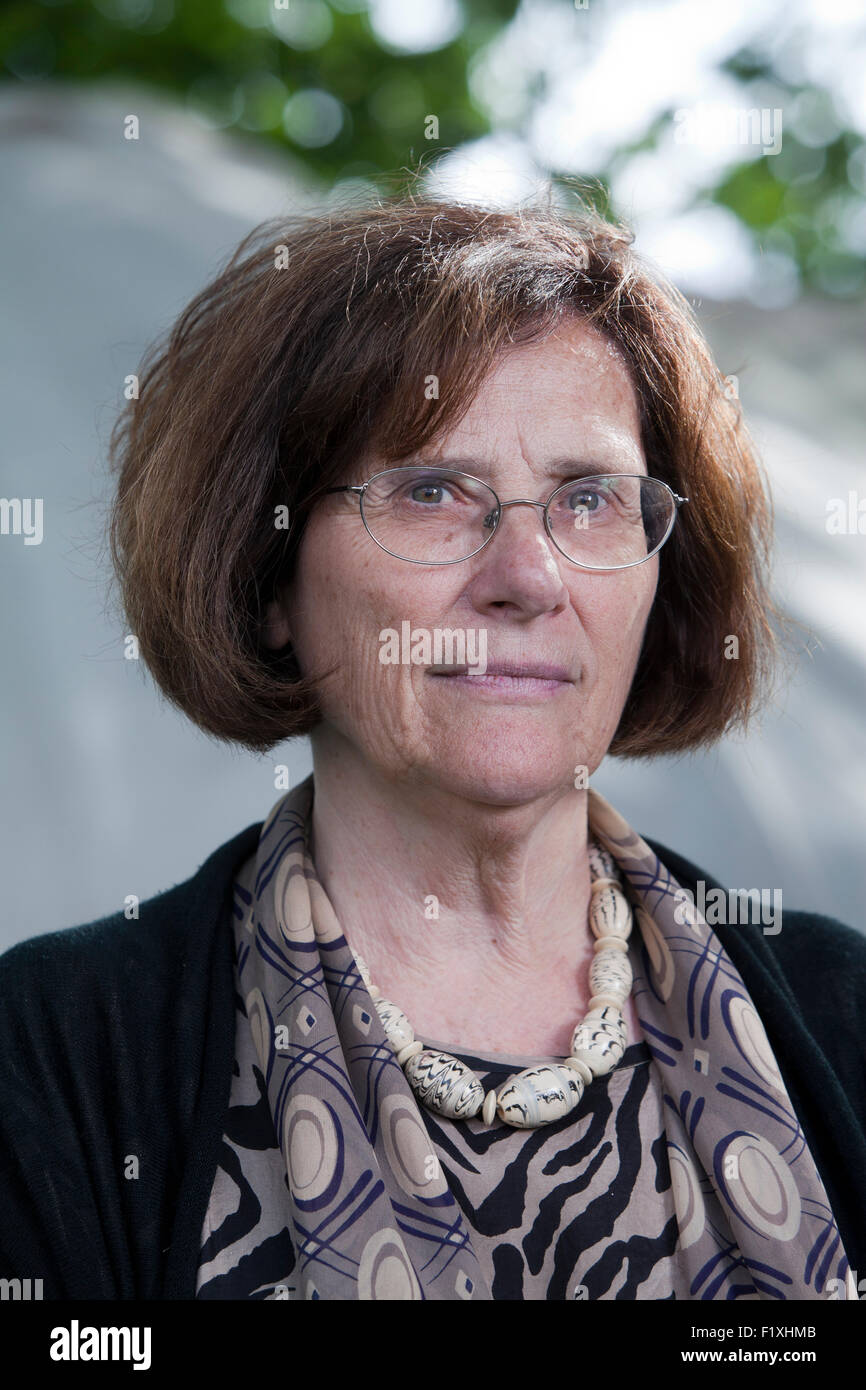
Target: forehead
<point x="573" y="366"/>
<point x="574" y="383"/>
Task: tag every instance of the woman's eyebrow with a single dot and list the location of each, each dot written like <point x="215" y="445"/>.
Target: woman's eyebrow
<point x="557" y="468"/>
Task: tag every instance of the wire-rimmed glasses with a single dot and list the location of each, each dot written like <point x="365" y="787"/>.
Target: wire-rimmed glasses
<point x="440" y="516"/>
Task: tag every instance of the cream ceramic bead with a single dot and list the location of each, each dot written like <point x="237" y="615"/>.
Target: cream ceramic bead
<point x="488" y="1110"/>
<point x="398" y="1029"/>
<point x="539" y="1096"/>
<point x="599" y="883"/>
<point x="613" y="1017"/>
<point x="609" y="912"/>
<point x="600" y="1040"/>
<point x="610" y="973"/>
<point x="612" y="943"/>
<point x="445" y="1084"/>
<point x="363" y="970"/>
<point x="601" y="862"/>
<point x="580" y="1067"/>
<point x="605" y="1001"/>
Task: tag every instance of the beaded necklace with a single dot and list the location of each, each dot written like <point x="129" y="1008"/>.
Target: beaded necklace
<point x="544" y="1093"/>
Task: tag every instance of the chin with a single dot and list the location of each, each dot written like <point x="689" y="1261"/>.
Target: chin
<point x="491" y="776"/>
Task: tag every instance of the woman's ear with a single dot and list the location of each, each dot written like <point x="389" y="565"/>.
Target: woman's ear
<point x="275" y="630"/>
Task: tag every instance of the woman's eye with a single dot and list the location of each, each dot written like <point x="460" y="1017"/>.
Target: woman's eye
<point x="582" y="501"/>
<point x="425" y="489"/>
<point x="428" y="492"/>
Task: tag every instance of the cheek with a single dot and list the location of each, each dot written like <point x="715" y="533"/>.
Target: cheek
<point x="616" y="619"/>
<point x="326" y="605"/>
<point x="338" y="630"/>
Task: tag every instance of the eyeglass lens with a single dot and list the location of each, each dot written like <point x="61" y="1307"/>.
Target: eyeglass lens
<point x="441" y="515"/>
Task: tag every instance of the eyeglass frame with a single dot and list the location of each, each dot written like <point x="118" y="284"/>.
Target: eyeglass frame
<point x="360" y="488"/>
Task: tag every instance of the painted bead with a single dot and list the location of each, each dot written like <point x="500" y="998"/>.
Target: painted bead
<point x="612" y="1017"/>
<point x="445" y="1084"/>
<point x="610" y="973"/>
<point x="609" y="912"/>
<point x="601" y="862"/>
<point x="539" y="1096"/>
<point x="600" y="1040"/>
<point x="398" y="1029"/>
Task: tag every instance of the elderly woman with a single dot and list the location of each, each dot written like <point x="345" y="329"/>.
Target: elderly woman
<point x="460" y="494"/>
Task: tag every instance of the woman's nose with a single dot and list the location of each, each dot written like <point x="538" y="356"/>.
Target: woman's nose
<point x="521" y="523"/>
<point x="520" y="564"/>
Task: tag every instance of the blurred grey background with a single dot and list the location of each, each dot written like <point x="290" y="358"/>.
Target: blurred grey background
<point x="108" y="791"/>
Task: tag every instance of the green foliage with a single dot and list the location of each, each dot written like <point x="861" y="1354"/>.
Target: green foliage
<point x="241" y="74"/>
<point x="315" y="78"/>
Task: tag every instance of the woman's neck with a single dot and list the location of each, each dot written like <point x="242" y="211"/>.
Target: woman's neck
<point x="472" y="917"/>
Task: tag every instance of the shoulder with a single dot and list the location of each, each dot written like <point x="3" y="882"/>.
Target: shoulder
<point x="806" y="976"/>
<point x="117" y="1042"/>
<point x="107" y="1009"/>
<point x="168" y="928"/>
<point x="803" y="969"/>
<point x="800" y="941"/>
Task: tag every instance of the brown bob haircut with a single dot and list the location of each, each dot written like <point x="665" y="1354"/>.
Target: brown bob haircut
<point x="314" y="344"/>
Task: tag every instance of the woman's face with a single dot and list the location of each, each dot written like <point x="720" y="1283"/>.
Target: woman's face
<point x="566" y="399"/>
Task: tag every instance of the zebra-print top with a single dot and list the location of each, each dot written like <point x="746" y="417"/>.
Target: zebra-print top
<point x="582" y="1208"/>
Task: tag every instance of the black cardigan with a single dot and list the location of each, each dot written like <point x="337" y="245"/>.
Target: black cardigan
<point x="117" y="1039"/>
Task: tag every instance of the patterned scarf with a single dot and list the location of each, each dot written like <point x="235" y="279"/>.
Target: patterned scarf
<point x="372" y="1217"/>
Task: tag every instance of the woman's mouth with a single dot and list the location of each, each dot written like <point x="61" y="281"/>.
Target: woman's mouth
<point x="505" y="685"/>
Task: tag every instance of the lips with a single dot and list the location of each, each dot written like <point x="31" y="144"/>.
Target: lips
<point x="542" y="670"/>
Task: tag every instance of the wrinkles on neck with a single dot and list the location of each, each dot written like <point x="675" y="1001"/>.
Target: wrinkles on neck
<point x="472" y="917"/>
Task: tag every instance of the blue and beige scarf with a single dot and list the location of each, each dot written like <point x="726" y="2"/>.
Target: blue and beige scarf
<point x="371" y="1217"/>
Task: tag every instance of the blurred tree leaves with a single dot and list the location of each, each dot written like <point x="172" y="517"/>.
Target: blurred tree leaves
<point x="317" y="78"/>
<point x="241" y="62"/>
